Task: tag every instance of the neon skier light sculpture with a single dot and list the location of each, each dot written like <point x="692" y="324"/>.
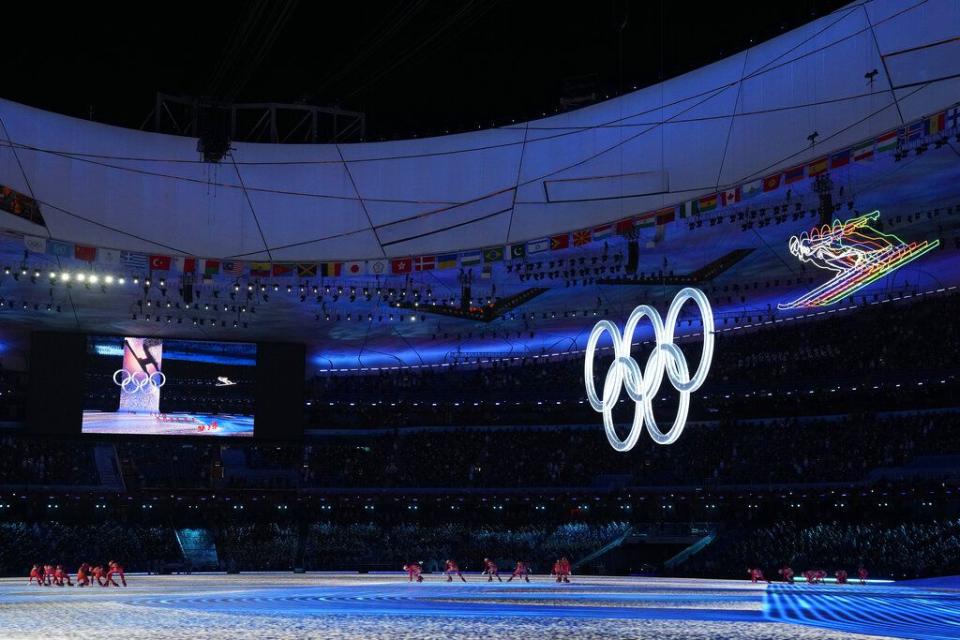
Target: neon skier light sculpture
<point x="857" y="253"/>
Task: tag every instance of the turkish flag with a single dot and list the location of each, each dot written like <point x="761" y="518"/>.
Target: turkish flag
<point x="160" y="263"/>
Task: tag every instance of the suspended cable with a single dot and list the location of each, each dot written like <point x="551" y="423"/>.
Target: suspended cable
<point x="253" y="211"/>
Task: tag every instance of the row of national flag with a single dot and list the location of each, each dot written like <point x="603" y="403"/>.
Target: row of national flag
<point x="915" y="132"/>
<point x="208" y="267"/>
<point x="861" y="152"/>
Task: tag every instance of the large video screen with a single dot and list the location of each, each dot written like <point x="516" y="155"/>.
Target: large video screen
<point x="157" y="386"/>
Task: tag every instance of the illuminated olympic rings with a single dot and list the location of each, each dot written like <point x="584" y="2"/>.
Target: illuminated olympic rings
<point x="642" y="387"/>
<point x="138" y="380"/>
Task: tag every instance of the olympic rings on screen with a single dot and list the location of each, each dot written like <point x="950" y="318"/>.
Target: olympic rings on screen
<point x="138" y="380"/>
<point x="643" y="386"/>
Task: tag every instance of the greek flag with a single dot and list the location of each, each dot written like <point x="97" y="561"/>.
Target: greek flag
<point x="134" y="261"/>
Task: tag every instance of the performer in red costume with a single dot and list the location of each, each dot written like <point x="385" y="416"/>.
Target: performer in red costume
<point x="114" y="568"/>
<point x="83" y="575"/>
<point x="862" y="573"/>
<point x="453" y="569"/>
<point x="413" y="570"/>
<point x="841" y="575"/>
<point x="61" y="577"/>
<point x="520" y="571"/>
<point x="48" y="574"/>
<point x="490" y="568"/>
<point x="36" y="574"/>
<point x="756" y="575"/>
<point x="98" y="575"/>
<point x="565" y="569"/>
<point x="786" y="573"/>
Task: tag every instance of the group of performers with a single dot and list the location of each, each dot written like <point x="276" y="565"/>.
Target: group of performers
<point x="48" y="575"/>
<point x="561" y="569"/>
<point x="521" y="570"/>
<point x="812" y="576"/>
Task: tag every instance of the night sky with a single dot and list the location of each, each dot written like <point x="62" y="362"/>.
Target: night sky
<point x="414" y="66"/>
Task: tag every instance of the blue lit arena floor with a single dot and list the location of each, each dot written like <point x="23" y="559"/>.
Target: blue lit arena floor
<point x="381" y="606"/>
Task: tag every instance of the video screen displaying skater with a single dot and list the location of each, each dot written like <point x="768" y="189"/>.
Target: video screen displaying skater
<point x="155" y="386"/>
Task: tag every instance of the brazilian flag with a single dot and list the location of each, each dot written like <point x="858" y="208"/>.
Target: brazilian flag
<point x="493" y="254"/>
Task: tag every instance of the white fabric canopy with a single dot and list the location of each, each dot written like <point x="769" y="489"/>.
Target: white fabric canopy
<point x="732" y="121"/>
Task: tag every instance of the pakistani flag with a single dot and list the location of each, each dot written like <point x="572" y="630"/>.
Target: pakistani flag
<point x="518" y="251"/>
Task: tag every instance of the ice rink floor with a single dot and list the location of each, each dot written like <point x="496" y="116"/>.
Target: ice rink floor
<point x="179" y="424"/>
<point x="386" y="606"/>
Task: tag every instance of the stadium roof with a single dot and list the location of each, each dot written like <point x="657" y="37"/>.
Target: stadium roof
<point x="724" y="126"/>
<point x="730" y="122"/>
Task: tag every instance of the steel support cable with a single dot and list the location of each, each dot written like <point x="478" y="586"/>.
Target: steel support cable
<point x="390" y="24"/>
<point x="253" y="211"/>
<point x="469" y="14"/>
<point x="26" y="181"/>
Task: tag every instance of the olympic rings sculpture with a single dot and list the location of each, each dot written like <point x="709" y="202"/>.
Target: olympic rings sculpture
<point x="138" y="380"/>
<point x="642" y="387"/>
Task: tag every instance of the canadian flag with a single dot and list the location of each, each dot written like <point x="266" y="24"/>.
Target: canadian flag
<point x="730" y="196"/>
